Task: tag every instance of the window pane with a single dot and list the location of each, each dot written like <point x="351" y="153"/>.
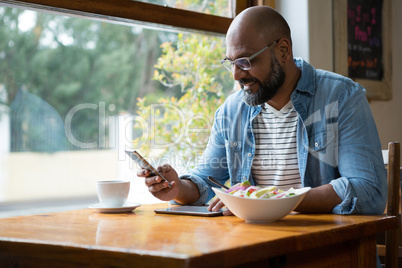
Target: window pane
<point x="223" y="8"/>
<point x="76" y="93"/>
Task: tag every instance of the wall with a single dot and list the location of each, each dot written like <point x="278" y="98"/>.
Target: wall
<point x="295" y="12"/>
<point x="388" y="114"/>
<point x="319" y="38"/>
<point x="73" y="174"/>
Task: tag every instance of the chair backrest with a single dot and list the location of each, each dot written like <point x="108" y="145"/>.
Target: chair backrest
<point x="393" y="205"/>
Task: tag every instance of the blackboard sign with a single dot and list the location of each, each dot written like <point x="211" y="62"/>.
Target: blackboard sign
<point x="362" y="44"/>
<point x="365" y="50"/>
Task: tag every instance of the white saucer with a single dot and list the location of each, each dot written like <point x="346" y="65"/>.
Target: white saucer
<point x="127" y="207"/>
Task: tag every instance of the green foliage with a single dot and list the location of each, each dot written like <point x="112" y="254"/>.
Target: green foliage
<point x="69" y="61"/>
<point x="181" y="126"/>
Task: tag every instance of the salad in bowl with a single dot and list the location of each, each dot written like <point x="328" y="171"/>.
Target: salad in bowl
<point x="260" y="204"/>
<point x="245" y="189"/>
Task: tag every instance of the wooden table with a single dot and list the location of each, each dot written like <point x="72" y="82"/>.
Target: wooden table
<point x="86" y="238"/>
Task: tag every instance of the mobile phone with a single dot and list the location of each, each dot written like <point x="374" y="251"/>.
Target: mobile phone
<point x="189" y="210"/>
<point x="145" y="165"/>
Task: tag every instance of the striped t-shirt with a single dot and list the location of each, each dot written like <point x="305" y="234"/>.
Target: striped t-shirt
<point x="275" y="160"/>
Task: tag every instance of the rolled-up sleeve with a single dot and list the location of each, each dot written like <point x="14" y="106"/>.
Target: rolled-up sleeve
<point x="346" y="193"/>
<point x="202" y="189"/>
<point x="362" y="185"/>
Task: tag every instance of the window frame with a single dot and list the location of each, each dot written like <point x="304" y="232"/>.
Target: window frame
<point x="132" y="12"/>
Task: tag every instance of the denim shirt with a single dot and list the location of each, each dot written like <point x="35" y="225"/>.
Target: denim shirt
<point x="337" y="142"/>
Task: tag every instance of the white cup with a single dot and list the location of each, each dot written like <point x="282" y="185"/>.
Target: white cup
<point x="112" y="193"/>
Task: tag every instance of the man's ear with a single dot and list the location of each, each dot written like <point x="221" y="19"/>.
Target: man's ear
<point x="285" y="49"/>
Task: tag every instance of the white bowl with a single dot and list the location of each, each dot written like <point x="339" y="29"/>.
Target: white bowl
<point x="261" y="210"/>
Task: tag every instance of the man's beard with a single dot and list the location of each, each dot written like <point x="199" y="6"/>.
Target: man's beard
<point x="268" y="89"/>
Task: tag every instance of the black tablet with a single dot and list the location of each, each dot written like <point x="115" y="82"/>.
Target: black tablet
<point x="189" y="210"/>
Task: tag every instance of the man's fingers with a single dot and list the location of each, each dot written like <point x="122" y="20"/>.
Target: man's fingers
<point x="143" y="172"/>
<point x="150" y="181"/>
<point x="156" y="187"/>
<point x="213" y="203"/>
<point x="216" y="205"/>
<point x="165" y="168"/>
<point x="227" y="213"/>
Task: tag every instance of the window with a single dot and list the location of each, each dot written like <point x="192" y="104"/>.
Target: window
<point x="75" y="93"/>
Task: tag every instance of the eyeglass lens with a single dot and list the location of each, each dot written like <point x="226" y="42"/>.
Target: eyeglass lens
<point x="242" y="63"/>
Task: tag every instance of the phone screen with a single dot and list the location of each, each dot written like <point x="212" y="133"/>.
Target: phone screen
<point x="145" y="165"/>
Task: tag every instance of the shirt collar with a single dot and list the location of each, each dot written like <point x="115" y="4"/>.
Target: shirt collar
<point x="307" y="79"/>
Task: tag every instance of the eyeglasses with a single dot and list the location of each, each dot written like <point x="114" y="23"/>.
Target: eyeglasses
<point x="245" y="62"/>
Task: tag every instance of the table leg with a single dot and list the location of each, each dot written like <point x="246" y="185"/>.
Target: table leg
<point x="364" y="252"/>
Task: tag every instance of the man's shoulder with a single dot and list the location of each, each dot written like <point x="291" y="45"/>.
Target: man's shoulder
<point x="313" y="79"/>
<point x="334" y="77"/>
<point x="325" y="87"/>
<point x="338" y="84"/>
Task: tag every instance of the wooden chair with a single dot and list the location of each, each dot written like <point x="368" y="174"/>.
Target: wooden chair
<point x="392" y="250"/>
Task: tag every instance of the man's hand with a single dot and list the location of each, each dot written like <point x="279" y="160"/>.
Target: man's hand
<point x="217" y="204"/>
<point x="160" y="188"/>
<point x="182" y="191"/>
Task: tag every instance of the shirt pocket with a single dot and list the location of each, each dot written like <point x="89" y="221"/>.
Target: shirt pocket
<point x="323" y="145"/>
<point x="321" y="139"/>
<point x="234" y="158"/>
<point x="232" y="145"/>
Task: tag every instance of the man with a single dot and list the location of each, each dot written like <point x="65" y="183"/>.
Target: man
<point x="291" y="125"/>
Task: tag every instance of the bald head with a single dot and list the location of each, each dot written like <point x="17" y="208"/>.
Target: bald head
<point x="263" y="22"/>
